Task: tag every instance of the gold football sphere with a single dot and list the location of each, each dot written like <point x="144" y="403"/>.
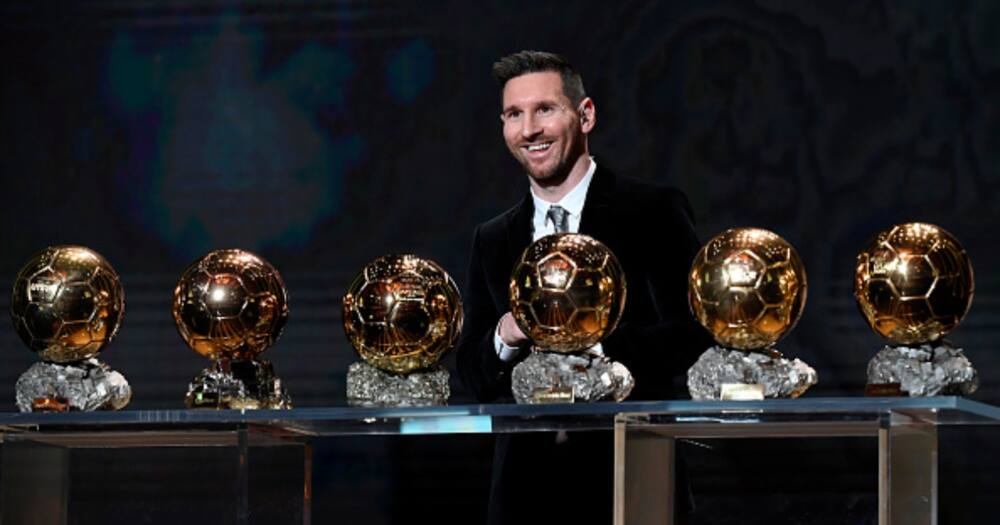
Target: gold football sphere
<point x="913" y="283"/>
<point x="567" y="292"/>
<point x="402" y="313"/>
<point x="67" y="303"/>
<point x="747" y="287"/>
<point x="230" y="304"/>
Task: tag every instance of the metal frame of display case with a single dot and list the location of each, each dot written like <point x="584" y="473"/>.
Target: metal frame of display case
<point x="37" y="472"/>
<point x="906" y="430"/>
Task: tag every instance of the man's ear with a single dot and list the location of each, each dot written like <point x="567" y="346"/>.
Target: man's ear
<point x="588" y="114"/>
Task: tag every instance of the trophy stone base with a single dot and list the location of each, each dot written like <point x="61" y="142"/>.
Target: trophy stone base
<point x="552" y="377"/>
<point x="238" y="385"/>
<point x="368" y="386"/>
<point x="777" y="376"/>
<point x="87" y="385"/>
<point x="926" y="370"/>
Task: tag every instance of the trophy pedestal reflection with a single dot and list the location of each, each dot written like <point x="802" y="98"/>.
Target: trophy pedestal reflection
<point x="925" y="370"/>
<point x="553" y="377"/>
<point x="85" y="385"/>
<point x="369" y="386"/>
<point x="719" y="368"/>
<point x="238" y="384"/>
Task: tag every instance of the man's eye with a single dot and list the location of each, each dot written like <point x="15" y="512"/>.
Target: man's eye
<point x="545" y="110"/>
<point x="513" y="114"/>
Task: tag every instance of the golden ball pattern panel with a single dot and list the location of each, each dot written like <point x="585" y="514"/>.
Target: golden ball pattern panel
<point x="67" y="303"/>
<point x="747" y="287"/>
<point x="402" y="313"/>
<point x="913" y="283"/>
<point x="567" y="292"/>
<point x="230" y="304"/>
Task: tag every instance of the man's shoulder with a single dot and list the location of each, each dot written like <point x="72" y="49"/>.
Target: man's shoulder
<point x="640" y="194"/>
<point x="632" y="186"/>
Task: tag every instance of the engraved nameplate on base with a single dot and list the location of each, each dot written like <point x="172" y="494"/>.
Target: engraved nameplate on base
<point x="741" y="392"/>
<point x="884" y="390"/>
<point x="553" y="395"/>
<point x="50" y="404"/>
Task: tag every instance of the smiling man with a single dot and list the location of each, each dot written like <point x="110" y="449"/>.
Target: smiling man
<point x="547" y="118"/>
<point x="546" y="126"/>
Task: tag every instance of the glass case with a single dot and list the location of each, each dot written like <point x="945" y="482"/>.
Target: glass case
<point x="268" y="451"/>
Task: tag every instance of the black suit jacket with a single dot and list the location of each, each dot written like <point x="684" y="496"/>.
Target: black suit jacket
<point x="649" y="228"/>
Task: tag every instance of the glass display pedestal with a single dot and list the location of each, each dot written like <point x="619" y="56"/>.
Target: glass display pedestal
<point x="906" y="430"/>
<point x="250" y="476"/>
<point x="256" y="466"/>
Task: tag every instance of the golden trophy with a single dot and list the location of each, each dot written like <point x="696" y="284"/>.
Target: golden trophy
<point x="567" y="293"/>
<point x="230" y="306"/>
<point x="747" y="287"/>
<point x="914" y="284"/>
<point x="67" y="305"/>
<point x="401" y="313"/>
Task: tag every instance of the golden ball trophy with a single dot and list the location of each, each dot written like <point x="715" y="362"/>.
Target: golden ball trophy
<point x="914" y="284"/>
<point x="747" y="287"/>
<point x="567" y="293"/>
<point x="67" y="305"/>
<point x="401" y="313"/>
<point x="230" y="306"/>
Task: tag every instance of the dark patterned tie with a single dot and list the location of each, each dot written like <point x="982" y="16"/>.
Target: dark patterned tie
<point x="559" y="217"/>
<point x="560" y="221"/>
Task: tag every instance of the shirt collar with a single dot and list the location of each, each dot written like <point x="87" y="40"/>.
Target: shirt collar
<point x="574" y="200"/>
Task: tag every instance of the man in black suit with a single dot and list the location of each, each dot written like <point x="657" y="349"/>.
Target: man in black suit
<point x="546" y="118"/>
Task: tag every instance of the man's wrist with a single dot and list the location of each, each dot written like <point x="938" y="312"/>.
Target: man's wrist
<point x="504" y="351"/>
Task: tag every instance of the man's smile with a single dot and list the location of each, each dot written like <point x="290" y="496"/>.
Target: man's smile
<point x="538" y="149"/>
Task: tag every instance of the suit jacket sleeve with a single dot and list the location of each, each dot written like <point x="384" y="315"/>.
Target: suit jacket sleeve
<point x="659" y="353"/>
<point x="481" y="370"/>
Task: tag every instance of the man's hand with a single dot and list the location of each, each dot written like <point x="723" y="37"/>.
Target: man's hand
<point x="510" y="333"/>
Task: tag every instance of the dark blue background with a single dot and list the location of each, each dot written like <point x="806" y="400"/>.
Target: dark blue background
<point x="321" y="135"/>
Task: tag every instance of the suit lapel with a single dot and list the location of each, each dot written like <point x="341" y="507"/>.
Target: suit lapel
<point x="519" y="231"/>
<point x="598" y="217"/>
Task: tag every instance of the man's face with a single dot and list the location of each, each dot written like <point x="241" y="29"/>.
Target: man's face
<point x="541" y="127"/>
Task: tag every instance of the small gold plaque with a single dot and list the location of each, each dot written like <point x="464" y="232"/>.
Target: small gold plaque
<point x="884" y="390"/>
<point x="555" y="394"/>
<point x="742" y="392"/>
<point x="50" y="404"/>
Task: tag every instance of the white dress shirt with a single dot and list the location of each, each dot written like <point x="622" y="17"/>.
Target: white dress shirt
<point x="573" y="203"/>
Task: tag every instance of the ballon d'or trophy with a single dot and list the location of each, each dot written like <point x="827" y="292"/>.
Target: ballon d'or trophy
<point x="747" y="287"/>
<point x="401" y="313"/>
<point x="567" y="293"/>
<point x="914" y="284"/>
<point x="230" y="306"/>
<point x="67" y="305"/>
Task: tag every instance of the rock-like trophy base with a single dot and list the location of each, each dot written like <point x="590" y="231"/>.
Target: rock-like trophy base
<point x="249" y="384"/>
<point x="86" y="385"/>
<point x="780" y="377"/>
<point x="370" y="387"/>
<point x="927" y="370"/>
<point x="546" y="377"/>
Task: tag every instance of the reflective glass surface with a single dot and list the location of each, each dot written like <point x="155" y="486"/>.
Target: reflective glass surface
<point x="131" y="427"/>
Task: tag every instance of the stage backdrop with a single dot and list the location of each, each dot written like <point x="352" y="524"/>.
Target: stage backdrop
<point x="321" y="135"/>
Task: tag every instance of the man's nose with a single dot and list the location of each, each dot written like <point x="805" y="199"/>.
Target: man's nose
<point x="529" y="126"/>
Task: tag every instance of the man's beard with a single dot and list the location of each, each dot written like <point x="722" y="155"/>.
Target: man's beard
<point x="553" y="176"/>
<point x="548" y="177"/>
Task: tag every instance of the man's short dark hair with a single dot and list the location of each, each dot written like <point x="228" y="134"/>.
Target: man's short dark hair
<point x="524" y="62"/>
